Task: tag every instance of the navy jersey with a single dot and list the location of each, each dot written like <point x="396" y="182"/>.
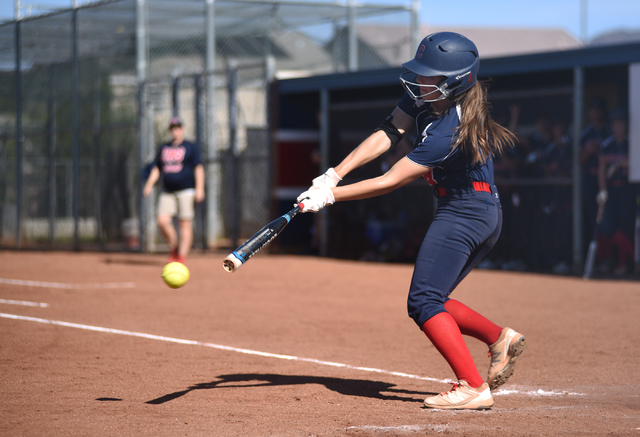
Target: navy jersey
<point x="615" y="153"/>
<point x="176" y="163"/>
<point x="433" y="147"/>
<point x="588" y="134"/>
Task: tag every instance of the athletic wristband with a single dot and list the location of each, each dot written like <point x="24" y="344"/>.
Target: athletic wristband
<point x="331" y="174"/>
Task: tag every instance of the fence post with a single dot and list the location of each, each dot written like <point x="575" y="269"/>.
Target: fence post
<point x="51" y="143"/>
<point x="324" y="159"/>
<point x="3" y="179"/>
<point x="212" y="173"/>
<point x="200" y="239"/>
<point x="75" y="128"/>
<point x="352" y="37"/>
<point x="97" y="153"/>
<point x="232" y="74"/>
<point x="141" y="70"/>
<point x="270" y="109"/>
<point x="18" y="133"/>
<point x="578" y="100"/>
<point x="415" y="25"/>
<point x="175" y="96"/>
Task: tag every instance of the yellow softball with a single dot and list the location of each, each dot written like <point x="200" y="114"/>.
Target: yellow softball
<point x="175" y="274"/>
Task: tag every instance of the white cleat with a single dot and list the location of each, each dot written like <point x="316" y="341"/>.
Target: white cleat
<point x="504" y="353"/>
<point x="462" y="397"/>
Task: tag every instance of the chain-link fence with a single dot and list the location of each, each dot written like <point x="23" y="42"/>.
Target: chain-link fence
<point x="86" y="95"/>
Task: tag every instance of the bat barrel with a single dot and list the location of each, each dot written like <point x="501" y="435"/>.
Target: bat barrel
<point x="231" y="263"/>
<point x="235" y="259"/>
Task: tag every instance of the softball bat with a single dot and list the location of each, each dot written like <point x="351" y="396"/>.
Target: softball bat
<point x="241" y="255"/>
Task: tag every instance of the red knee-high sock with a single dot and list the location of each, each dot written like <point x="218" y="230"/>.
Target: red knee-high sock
<point x="472" y="323"/>
<point x="445" y="335"/>
<point x="604" y="249"/>
<point x="625" y="247"/>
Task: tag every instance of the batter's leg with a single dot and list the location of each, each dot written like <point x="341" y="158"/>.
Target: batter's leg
<point x="472" y="323"/>
<point x="165" y="224"/>
<point x="186" y="237"/>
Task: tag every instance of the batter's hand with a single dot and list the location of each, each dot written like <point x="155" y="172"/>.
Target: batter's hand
<point x="329" y="180"/>
<point x="199" y="198"/>
<point x="602" y="197"/>
<point x="315" y="199"/>
<point x="146" y="191"/>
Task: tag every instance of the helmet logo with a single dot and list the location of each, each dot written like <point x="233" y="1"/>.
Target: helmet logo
<point x="463" y="75"/>
<point x="420" y="51"/>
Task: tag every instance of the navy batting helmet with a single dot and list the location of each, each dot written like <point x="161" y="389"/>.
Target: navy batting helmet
<point x="447" y="54"/>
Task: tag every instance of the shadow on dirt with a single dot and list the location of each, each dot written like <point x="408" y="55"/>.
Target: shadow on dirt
<point x="349" y="387"/>
<point x="134" y="261"/>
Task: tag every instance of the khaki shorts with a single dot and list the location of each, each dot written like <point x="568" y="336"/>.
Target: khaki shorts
<point x="180" y="203"/>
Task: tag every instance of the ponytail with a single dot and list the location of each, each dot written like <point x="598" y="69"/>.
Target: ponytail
<point x="478" y="135"/>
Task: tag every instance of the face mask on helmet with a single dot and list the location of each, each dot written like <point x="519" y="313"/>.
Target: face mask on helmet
<point x="445" y="54"/>
<point x="426" y="93"/>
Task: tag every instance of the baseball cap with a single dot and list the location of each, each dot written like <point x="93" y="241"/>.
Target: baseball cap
<point x="618" y="113"/>
<point x="175" y="121"/>
<point x="598" y="102"/>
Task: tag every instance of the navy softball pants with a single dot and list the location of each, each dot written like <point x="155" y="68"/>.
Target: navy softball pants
<point x="465" y="227"/>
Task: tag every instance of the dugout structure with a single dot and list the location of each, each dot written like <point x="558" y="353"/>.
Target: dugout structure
<point x="86" y="95"/>
<point x="546" y="228"/>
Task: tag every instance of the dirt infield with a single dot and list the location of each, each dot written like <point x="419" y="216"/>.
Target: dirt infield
<point x="294" y="346"/>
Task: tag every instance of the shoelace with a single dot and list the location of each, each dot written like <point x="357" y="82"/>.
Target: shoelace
<point x="454" y="388"/>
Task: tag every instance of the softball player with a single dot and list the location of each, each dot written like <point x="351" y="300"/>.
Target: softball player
<point x="183" y="183"/>
<point x="617" y="194"/>
<point x="456" y="140"/>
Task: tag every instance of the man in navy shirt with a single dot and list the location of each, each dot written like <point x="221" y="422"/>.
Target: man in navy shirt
<point x="180" y="165"/>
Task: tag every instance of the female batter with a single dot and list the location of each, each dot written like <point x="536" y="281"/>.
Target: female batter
<point x="456" y="140"/>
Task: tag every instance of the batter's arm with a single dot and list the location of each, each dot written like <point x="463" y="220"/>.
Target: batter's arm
<point x="403" y="172"/>
<point x="374" y="146"/>
<point x="198" y="173"/>
<point x="602" y="173"/>
<point x="154" y="176"/>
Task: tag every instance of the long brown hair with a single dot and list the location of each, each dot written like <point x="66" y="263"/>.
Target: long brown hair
<point x="478" y="135"/>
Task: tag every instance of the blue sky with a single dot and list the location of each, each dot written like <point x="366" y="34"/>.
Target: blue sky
<point x="602" y="15"/>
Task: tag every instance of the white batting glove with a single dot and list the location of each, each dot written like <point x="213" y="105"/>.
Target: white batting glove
<point x="315" y="199"/>
<point x="602" y="196"/>
<point x="329" y="179"/>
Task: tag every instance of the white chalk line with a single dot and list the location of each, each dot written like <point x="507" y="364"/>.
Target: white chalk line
<point x="263" y="354"/>
<point x="67" y="286"/>
<point x="215" y="346"/>
<point x="401" y="428"/>
<point x="24" y="302"/>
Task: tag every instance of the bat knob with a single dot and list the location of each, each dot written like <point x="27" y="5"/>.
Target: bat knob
<point x="231" y="263"/>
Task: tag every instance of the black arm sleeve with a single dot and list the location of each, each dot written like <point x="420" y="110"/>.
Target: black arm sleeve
<point x="392" y="132"/>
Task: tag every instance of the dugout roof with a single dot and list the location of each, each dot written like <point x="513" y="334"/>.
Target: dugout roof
<point x="590" y="57"/>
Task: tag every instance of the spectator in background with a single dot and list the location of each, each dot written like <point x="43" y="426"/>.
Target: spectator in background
<point x="179" y="162"/>
<point x="617" y="194"/>
<point x="511" y="250"/>
<point x="557" y="159"/>
<point x="557" y="162"/>
<point x="533" y="195"/>
<point x="590" y="139"/>
<point x="538" y="142"/>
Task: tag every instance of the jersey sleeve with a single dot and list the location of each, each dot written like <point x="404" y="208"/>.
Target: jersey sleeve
<point x="411" y="107"/>
<point x="435" y="141"/>
<point x="197" y="158"/>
